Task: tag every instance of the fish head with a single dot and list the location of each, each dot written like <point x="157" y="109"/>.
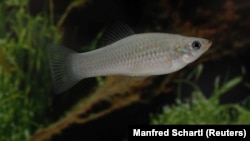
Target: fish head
<point x="190" y="48"/>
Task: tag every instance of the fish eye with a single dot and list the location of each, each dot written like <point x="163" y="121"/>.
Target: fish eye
<point x="196" y="45"/>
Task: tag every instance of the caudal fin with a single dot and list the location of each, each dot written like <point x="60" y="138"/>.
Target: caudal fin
<point x="61" y="59"/>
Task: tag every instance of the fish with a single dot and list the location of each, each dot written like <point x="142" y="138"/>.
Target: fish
<point x="125" y="53"/>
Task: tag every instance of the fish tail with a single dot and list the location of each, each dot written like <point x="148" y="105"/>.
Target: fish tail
<point x="61" y="65"/>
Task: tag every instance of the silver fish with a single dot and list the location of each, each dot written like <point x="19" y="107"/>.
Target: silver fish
<point x="142" y="54"/>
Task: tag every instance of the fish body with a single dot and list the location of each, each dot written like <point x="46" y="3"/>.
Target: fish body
<point x="143" y="54"/>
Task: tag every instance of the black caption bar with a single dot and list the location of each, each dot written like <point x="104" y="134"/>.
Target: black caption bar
<point x="163" y="132"/>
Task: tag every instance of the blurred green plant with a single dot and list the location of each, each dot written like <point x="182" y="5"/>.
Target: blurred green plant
<point x="201" y="110"/>
<point x="24" y="72"/>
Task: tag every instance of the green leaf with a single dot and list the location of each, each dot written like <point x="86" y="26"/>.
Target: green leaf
<point x="218" y="91"/>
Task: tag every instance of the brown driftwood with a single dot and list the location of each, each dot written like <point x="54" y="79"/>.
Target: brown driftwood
<point x="116" y="93"/>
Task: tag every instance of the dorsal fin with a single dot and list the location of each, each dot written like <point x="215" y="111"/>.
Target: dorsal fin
<point x="114" y="33"/>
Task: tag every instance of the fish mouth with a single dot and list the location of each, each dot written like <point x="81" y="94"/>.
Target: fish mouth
<point x="208" y="44"/>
